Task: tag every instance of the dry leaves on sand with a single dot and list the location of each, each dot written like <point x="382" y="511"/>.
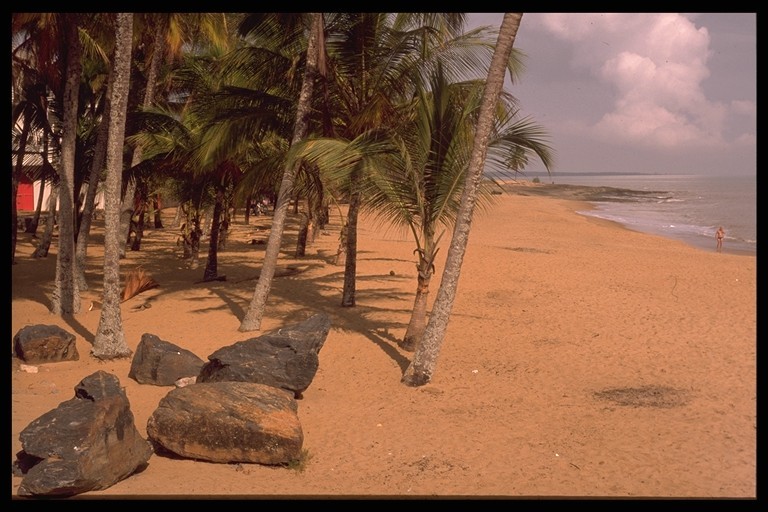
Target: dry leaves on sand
<point x="137" y="281"/>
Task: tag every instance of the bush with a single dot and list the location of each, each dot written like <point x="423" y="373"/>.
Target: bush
<point x="536" y="180"/>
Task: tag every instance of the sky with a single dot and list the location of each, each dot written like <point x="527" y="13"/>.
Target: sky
<point x="670" y="93"/>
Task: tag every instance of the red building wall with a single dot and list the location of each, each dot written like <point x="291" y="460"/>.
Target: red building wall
<point x="25" y="198"/>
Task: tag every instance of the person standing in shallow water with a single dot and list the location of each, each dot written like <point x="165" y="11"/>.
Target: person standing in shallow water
<point x="719" y="235"/>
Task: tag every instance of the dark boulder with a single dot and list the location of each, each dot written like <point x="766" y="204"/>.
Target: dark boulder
<point x="44" y="344"/>
<point x="162" y="363"/>
<point x="286" y="358"/>
<point x="87" y="443"/>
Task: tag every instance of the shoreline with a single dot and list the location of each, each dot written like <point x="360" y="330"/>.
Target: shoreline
<point x="588" y="195"/>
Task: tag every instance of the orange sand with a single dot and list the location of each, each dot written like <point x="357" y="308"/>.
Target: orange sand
<point x="558" y="317"/>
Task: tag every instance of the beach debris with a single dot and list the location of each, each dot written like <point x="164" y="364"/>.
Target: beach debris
<point x="162" y="363"/>
<point x="44" y="344"/>
<point x="137" y="281"/>
<point x="286" y="358"/>
<point x="229" y="422"/>
<point x="87" y="443"/>
<point x="144" y="305"/>
<point x="27" y="368"/>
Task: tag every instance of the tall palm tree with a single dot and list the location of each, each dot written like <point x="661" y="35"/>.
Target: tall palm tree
<point x="66" y="295"/>
<point x="89" y="204"/>
<point x="109" y="342"/>
<point x="253" y="316"/>
<point x="422" y="366"/>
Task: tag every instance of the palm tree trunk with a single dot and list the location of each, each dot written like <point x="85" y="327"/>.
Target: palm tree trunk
<point x="15" y="185"/>
<point x="252" y="319"/>
<point x="109" y="342"/>
<point x="66" y="295"/>
<point x="32" y="228"/>
<point x="418" y="323"/>
<point x="157" y="207"/>
<point x="420" y="371"/>
<point x="211" y="272"/>
<point x="350" y="265"/>
<point x="90" y="201"/>
<point x="50" y="221"/>
<point x="128" y="203"/>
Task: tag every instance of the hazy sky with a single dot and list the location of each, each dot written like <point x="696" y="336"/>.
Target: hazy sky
<point x="644" y="92"/>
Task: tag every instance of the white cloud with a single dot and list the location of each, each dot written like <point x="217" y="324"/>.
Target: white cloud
<point x="655" y="64"/>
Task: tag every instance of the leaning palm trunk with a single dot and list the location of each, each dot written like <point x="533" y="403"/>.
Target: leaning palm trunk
<point x="66" y="294"/>
<point x="420" y="371"/>
<point x="32" y="227"/>
<point x="252" y="319"/>
<point x="109" y="342"/>
<point x="418" y="322"/>
<point x="41" y="251"/>
<point x="89" y="206"/>
<point x="15" y="185"/>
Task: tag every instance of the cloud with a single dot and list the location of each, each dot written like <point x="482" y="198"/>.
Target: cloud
<point x="655" y="64"/>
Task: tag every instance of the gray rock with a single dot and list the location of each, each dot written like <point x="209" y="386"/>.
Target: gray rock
<point x="44" y="344"/>
<point x="87" y="443"/>
<point x="286" y="358"/>
<point x="228" y="422"/>
<point x="162" y="363"/>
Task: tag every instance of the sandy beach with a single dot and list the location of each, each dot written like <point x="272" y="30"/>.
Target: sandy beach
<point x="582" y="360"/>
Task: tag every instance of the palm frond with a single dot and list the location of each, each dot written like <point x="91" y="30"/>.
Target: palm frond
<point x="136" y="282"/>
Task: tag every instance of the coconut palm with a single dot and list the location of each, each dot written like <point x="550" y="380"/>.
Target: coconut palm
<point x="420" y="371"/>
<point x="167" y="37"/>
<point x="51" y="45"/>
<point x="252" y="319"/>
<point x="31" y="111"/>
<point x="66" y="294"/>
<point x="109" y="341"/>
<point x="422" y="183"/>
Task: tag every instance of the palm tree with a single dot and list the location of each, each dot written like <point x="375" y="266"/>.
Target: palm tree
<point x="66" y="295"/>
<point x="32" y="112"/>
<point x="109" y="341"/>
<point x="83" y="233"/>
<point x="375" y="62"/>
<point x="421" y="186"/>
<point x="170" y="37"/>
<point x="252" y="319"/>
<point x="420" y="371"/>
<point x="192" y="142"/>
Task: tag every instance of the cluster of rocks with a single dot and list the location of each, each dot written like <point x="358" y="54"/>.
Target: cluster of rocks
<point x="239" y="406"/>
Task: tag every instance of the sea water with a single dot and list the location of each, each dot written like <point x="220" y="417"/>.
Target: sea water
<point x="684" y="207"/>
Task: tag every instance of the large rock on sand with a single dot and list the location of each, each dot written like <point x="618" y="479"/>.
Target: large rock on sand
<point x="162" y="363"/>
<point x="286" y="358"/>
<point x="228" y="422"/>
<point x="87" y="443"/>
<point x="44" y="344"/>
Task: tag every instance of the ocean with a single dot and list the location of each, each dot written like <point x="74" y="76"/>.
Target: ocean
<point x="688" y="208"/>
